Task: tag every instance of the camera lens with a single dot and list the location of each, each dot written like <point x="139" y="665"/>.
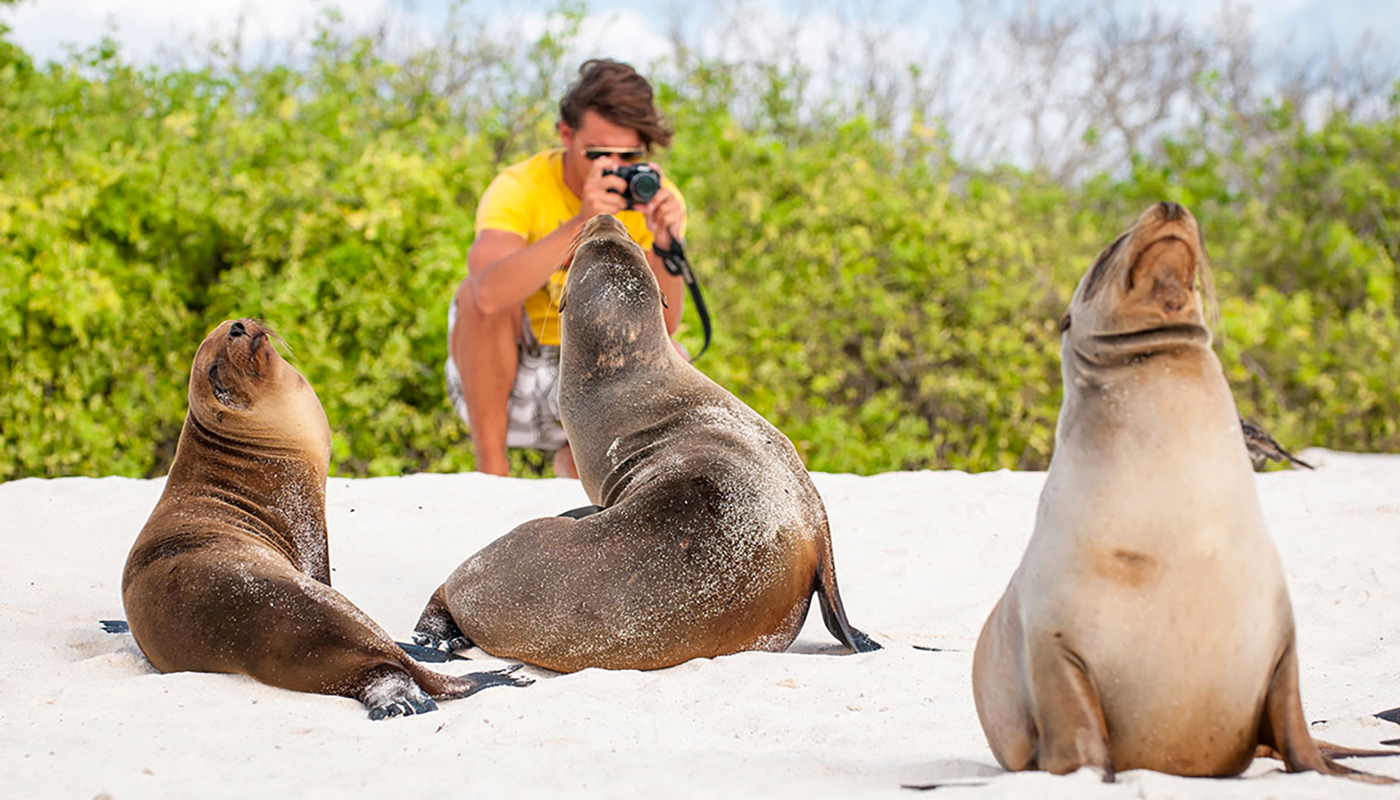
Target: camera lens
<point x="644" y="186"/>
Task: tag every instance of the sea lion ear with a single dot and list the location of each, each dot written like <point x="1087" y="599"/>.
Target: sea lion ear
<point x="664" y="304"/>
<point x="1064" y="322"/>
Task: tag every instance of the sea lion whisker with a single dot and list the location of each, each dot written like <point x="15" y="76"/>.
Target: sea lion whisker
<point x="286" y="346"/>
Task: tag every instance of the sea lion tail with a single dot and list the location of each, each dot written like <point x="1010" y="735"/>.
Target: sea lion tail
<point x="833" y="612"/>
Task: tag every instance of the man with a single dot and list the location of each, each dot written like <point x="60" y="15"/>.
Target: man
<point x="503" y="326"/>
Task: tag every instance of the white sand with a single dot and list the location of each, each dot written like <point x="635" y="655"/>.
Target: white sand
<point x="921" y="558"/>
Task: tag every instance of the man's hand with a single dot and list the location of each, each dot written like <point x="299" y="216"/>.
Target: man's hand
<point x="602" y="193"/>
<point x="664" y="214"/>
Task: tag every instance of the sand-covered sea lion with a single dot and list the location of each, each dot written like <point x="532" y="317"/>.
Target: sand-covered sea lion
<point x="1148" y="625"/>
<point x="711" y="538"/>
<point x="231" y="572"/>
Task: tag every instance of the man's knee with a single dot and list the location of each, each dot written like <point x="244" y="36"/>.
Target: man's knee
<point x="504" y="323"/>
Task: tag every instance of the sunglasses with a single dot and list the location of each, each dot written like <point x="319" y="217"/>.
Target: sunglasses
<point x="627" y="154"/>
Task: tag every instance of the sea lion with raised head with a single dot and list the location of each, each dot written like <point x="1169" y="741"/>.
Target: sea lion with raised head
<point x="710" y="538"/>
<point x="1148" y="625"/>
<point x="231" y="572"/>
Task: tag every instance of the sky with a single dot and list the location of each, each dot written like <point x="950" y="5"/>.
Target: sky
<point x="633" y="31"/>
<point x="980" y="83"/>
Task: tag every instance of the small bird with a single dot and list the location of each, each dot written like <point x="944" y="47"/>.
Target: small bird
<point x="1263" y="448"/>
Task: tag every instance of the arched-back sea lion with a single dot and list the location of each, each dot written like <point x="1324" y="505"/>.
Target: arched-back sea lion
<point x="1148" y="626"/>
<point x="711" y="537"/>
<point x="231" y="572"/>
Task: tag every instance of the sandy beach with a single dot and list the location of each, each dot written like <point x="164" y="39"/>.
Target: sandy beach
<point x="921" y="559"/>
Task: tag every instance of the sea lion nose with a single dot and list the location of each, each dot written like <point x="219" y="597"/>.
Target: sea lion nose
<point x="236" y="329"/>
<point x="1171" y="211"/>
<point x="601" y="223"/>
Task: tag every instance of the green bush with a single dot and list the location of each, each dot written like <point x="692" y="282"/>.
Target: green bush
<point x="882" y="305"/>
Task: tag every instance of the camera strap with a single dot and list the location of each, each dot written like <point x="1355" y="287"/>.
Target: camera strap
<point x="677" y="264"/>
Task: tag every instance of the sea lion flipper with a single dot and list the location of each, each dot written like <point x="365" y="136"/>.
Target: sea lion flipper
<point x="454" y="687"/>
<point x="1330" y="750"/>
<point x="436" y="624"/>
<point x="580" y="513"/>
<point x="428" y="653"/>
<point x="999" y="688"/>
<point x="834" y="613"/>
<point x="861" y="643"/>
<point x="498" y="677"/>
<point x="391" y="693"/>
<point x="1284" y="728"/>
<point x="1072" y="730"/>
<point x="1262" y="750"/>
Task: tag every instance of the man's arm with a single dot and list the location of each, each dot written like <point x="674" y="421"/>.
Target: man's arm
<point x="505" y="271"/>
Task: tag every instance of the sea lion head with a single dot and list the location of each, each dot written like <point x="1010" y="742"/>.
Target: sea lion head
<point x="241" y="388"/>
<point x="1146" y="292"/>
<point x="612" y="304"/>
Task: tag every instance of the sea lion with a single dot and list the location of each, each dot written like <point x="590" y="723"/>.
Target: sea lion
<point x="231" y="572"/>
<point x="1148" y="625"/>
<point x="711" y="538"/>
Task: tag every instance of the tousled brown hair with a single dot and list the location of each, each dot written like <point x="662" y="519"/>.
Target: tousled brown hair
<point x="618" y="94"/>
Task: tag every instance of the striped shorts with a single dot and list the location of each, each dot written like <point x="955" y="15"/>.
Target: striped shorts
<point x="532" y="412"/>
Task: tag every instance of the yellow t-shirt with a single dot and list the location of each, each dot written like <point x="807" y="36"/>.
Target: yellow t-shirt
<point x="530" y="199"/>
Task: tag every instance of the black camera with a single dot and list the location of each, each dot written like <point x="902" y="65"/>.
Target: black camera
<point x="643" y="182"/>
